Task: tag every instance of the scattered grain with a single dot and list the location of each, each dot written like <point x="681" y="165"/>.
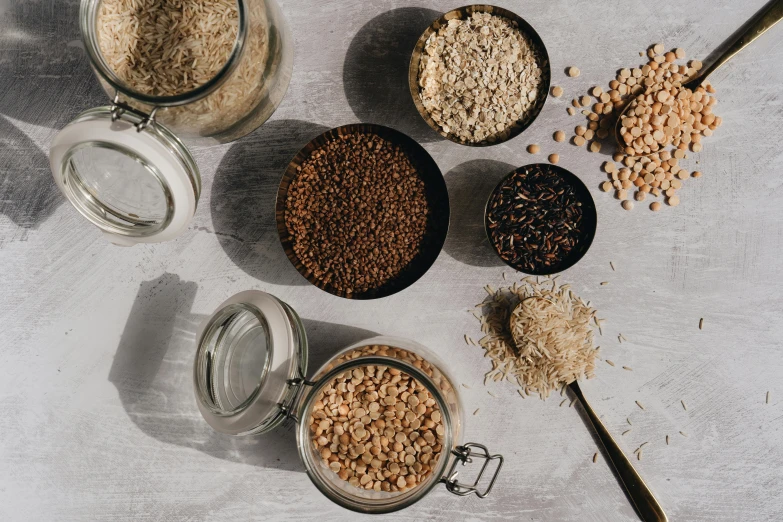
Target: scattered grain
<point x="554" y="158"/>
<point x="639" y="404"/>
<point x="559" y="136"/>
<point x="573" y="72"/>
<point x="557" y="91"/>
<point x="533" y="148"/>
<point x="610" y="363"/>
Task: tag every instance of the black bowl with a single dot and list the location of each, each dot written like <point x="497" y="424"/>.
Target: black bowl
<point x="589" y="220"/>
<point x="437" y="198"/>
<point x="525" y="28"/>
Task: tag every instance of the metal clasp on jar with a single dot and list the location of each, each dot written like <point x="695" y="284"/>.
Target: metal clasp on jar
<point x="119" y="108"/>
<point x="290" y="404"/>
<point x="465" y="454"/>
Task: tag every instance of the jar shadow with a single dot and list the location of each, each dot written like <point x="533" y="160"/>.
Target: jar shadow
<point x="28" y="194"/>
<point x="45" y="75"/>
<point x="152" y="371"/>
<point x="470" y="185"/>
<point x="375" y="71"/>
<point x="243" y="197"/>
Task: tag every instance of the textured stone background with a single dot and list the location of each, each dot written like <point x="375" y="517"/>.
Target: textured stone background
<point x="96" y="345"/>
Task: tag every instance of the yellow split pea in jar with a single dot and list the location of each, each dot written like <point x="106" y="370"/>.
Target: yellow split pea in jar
<point x="379" y="425"/>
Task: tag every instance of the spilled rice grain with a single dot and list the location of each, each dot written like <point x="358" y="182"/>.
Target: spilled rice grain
<point x="563" y="402"/>
<point x="639" y="404"/>
<point x="767" y="399"/>
<point x="626" y="432"/>
<point x="683" y="434"/>
<point x="667" y="440"/>
<point x="595" y="458"/>
<point x="611" y="265"/>
<point x="684" y="407"/>
<point x="701" y="323"/>
<point x="628" y="368"/>
<point x="610" y="363"/>
<point x="476" y="412"/>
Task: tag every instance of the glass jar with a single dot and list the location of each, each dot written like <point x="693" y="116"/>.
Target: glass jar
<point x="124" y="167"/>
<point x="249" y="377"/>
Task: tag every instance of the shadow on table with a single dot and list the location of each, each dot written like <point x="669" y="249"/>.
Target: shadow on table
<point x="153" y="373"/>
<point x="470" y="185"/>
<point x="243" y="198"/>
<point x="375" y="72"/>
<point x="28" y="194"/>
<point x="45" y="75"/>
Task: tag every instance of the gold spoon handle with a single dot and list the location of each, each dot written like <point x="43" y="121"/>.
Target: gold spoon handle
<point x="644" y="501"/>
<point x="767" y="16"/>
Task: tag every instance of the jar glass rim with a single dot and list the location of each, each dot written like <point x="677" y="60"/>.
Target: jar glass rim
<point x="88" y="14"/>
<point x="393" y="503"/>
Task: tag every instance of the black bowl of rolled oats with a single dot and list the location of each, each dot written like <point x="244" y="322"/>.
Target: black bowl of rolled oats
<point x="479" y="75"/>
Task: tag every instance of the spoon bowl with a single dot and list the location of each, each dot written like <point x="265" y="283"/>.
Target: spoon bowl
<point x="762" y="21"/>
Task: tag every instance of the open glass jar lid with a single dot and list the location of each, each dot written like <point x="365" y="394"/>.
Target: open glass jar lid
<point x="134" y="180"/>
<point x="378" y="426"/>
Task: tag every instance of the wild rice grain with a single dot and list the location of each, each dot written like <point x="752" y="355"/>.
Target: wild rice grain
<point x="563" y="402"/>
<point x="626" y="432"/>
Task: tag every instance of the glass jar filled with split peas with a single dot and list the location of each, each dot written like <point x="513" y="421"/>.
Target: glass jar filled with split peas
<point x="209" y="71"/>
<point x="378" y="426"/>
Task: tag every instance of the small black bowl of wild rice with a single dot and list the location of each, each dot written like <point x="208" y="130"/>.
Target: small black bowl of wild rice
<point x="540" y="219"/>
<point x="362" y="211"/>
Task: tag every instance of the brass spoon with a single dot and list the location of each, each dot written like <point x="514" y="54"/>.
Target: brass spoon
<point x="768" y="16"/>
<point x="645" y="503"/>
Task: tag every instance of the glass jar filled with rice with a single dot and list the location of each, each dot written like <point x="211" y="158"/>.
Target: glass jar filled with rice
<point x="378" y="426"/>
<point x="212" y="70"/>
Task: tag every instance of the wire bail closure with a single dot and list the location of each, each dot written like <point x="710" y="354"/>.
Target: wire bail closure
<point x="119" y="108"/>
<point x="465" y="454"/>
<point x="296" y="387"/>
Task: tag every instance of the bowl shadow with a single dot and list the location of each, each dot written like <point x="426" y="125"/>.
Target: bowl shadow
<point x="375" y="72"/>
<point x="470" y="185"/>
<point x="152" y="371"/>
<point x="243" y="198"/>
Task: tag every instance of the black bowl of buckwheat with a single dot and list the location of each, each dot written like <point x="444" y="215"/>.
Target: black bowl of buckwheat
<point x="479" y="75"/>
<point x="362" y="211"/>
